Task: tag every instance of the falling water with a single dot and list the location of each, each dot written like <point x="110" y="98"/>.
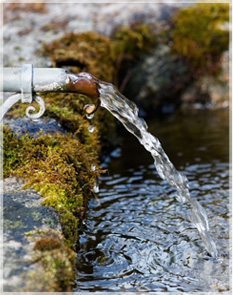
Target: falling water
<point x="90" y="116"/>
<point x="91" y="128"/>
<point x="127" y="113"/>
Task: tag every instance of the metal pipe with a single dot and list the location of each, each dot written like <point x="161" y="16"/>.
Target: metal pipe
<point x="52" y="80"/>
<point x="28" y="81"/>
<point x="43" y="79"/>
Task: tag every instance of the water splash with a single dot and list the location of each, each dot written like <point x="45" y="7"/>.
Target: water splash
<point x="90" y="116"/>
<point x="96" y="188"/>
<point x="92" y="167"/>
<point x="126" y="112"/>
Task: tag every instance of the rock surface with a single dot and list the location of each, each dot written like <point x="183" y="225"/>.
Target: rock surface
<point x="37" y="27"/>
<point x="22" y="213"/>
<point x="25" y="125"/>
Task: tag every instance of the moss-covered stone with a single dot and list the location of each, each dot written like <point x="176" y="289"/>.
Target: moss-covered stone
<point x="53" y="261"/>
<point x="129" y="44"/>
<point x="190" y="47"/>
<point x="131" y="41"/>
<point x="84" y="52"/>
<point x="59" y="168"/>
<point x="198" y="35"/>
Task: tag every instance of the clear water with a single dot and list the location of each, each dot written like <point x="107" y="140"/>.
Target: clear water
<point x="127" y="113"/>
<point x="140" y="238"/>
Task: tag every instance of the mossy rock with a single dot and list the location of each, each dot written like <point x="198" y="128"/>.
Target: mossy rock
<point x="57" y="166"/>
<point x="132" y="41"/>
<point x="157" y="81"/>
<point x="53" y="261"/>
<point x="84" y="52"/>
<point x="99" y="55"/>
<point x="198" y="35"/>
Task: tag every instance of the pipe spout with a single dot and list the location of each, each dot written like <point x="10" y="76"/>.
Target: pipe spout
<point x="85" y="83"/>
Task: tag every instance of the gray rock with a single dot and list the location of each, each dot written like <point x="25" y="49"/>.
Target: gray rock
<point x="22" y="213"/>
<point x="209" y="91"/>
<point x="25" y="125"/>
<point x="161" y="81"/>
<point x="157" y="80"/>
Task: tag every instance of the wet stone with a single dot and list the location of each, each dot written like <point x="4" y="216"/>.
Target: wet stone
<point x="21" y="126"/>
<point x="22" y="213"/>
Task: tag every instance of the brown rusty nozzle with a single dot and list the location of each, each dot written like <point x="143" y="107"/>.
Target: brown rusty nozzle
<point x="85" y="83"/>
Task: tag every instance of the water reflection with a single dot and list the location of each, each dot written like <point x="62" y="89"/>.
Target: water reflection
<point x="140" y="238"/>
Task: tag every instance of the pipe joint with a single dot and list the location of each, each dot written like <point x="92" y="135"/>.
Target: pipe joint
<point x="26" y="83"/>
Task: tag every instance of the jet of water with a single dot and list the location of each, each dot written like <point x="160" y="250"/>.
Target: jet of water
<point x="126" y="112"/>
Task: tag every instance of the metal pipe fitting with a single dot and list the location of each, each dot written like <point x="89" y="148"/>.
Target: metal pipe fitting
<point x="27" y="81"/>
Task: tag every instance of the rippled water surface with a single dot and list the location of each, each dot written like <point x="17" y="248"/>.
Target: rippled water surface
<point x="137" y="236"/>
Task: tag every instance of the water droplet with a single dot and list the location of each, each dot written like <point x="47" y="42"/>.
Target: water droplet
<point x="96" y="188"/>
<point x="89" y="108"/>
<point x="91" y="128"/>
<point x="92" y="167"/>
<point x="90" y="116"/>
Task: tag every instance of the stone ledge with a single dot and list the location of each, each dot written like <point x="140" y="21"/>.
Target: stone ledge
<point x="22" y="213"/>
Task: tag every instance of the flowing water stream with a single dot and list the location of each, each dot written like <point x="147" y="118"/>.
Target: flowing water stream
<point x="140" y="238"/>
<point x="127" y="113"/>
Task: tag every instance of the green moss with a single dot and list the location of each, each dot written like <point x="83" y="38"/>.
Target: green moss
<point x="67" y="109"/>
<point x="198" y="36"/>
<point x="129" y="44"/>
<point x="54" y="263"/>
<point x="47" y="244"/>
<point x="132" y="41"/>
<point x="84" y="52"/>
<point x="59" y="168"/>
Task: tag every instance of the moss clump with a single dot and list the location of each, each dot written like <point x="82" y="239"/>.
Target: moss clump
<point x="99" y="55"/>
<point x="67" y="109"/>
<point x="47" y="244"/>
<point x="85" y="52"/>
<point x="197" y="34"/>
<point x="132" y="41"/>
<point x="59" y="168"/>
<point x="54" y="263"/>
<point x="129" y="44"/>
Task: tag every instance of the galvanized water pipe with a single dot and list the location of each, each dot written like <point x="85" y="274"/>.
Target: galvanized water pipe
<point x="27" y="81"/>
<point x="42" y="79"/>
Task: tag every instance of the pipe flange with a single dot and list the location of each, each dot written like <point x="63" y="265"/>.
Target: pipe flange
<point x="26" y="83"/>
